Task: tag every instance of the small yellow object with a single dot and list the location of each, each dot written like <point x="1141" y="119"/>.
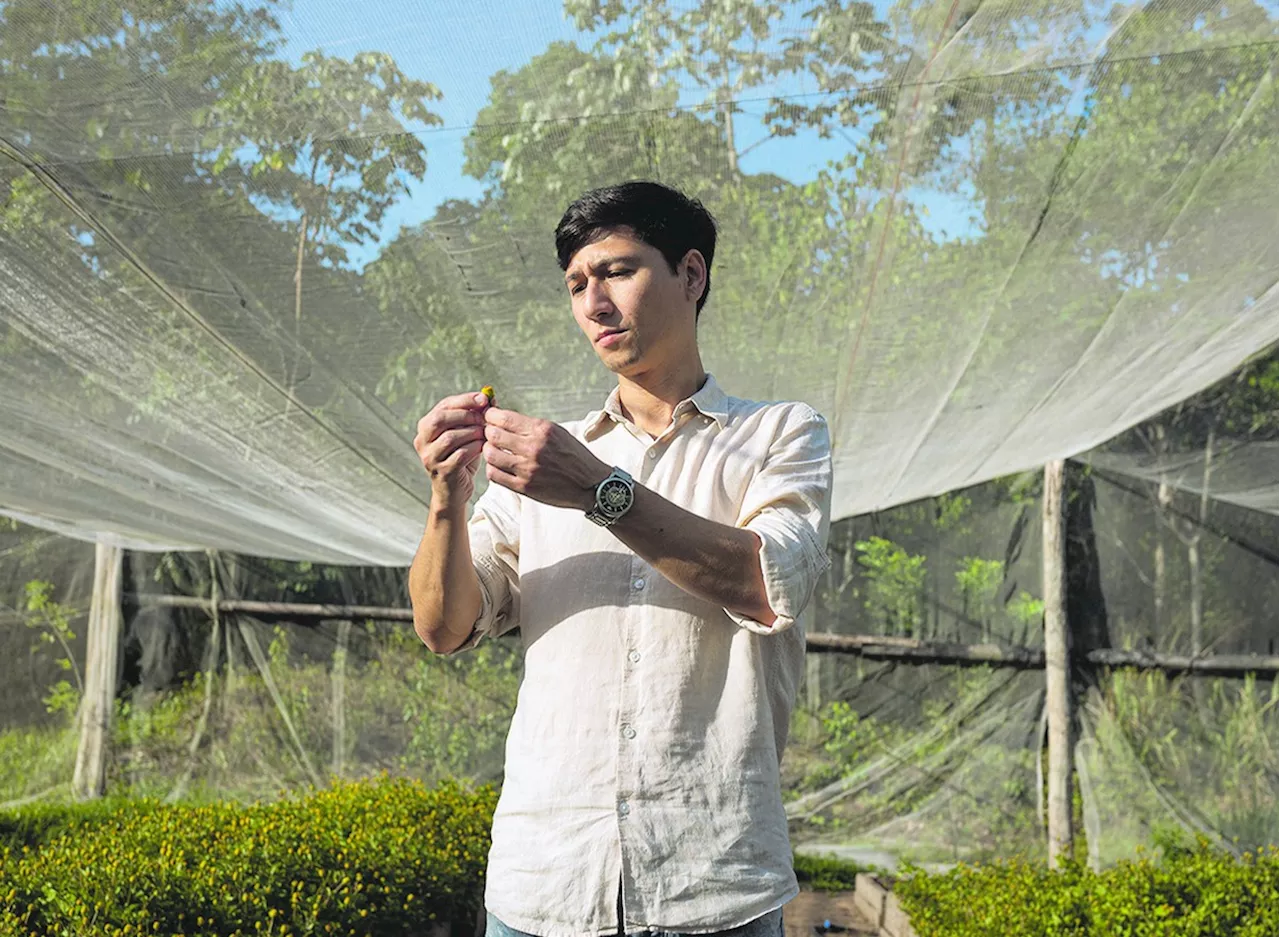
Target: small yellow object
<point x="489" y="392"/>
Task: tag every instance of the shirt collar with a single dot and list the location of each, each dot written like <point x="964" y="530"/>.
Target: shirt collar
<point x="710" y="401"/>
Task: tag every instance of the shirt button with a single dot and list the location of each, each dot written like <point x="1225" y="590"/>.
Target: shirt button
<point x="628" y="732"/>
<point x="634" y="657"/>
<point x="624" y="808"/>
<point x="653" y="454"/>
<point x="638" y="585"/>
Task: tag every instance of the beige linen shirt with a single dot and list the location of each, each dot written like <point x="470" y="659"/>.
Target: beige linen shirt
<point x="649" y="725"/>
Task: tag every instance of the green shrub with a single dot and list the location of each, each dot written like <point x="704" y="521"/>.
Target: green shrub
<point x="1191" y="893"/>
<point x="40" y="823"/>
<point x="375" y="858"/>
<point x="827" y="873"/>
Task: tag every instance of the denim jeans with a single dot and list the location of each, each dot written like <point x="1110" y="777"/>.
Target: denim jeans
<point x="770" y="925"/>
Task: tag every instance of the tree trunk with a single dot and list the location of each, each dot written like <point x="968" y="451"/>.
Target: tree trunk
<point x="731" y="145"/>
<point x="297" y="276"/>
<point x="1057" y="679"/>
<point x="102" y="660"/>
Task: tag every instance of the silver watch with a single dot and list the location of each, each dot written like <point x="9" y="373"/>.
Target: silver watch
<point x="614" y="497"/>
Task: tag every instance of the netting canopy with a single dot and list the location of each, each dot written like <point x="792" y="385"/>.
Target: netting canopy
<point x="243" y="247"/>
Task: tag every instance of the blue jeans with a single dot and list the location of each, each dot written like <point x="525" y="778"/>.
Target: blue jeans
<point x="770" y="925"/>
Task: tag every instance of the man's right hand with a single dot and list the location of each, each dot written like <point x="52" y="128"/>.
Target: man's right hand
<point x="449" y="442"/>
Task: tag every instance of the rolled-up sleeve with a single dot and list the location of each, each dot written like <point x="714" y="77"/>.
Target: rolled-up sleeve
<point x="494" y="533"/>
<point x="788" y="506"/>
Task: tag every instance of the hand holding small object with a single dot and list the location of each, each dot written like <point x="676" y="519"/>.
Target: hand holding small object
<point x="541" y="460"/>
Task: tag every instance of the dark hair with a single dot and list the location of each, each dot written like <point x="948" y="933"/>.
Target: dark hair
<point x="654" y="213"/>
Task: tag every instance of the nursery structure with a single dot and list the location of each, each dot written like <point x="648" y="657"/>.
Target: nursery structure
<point x="1023" y="259"/>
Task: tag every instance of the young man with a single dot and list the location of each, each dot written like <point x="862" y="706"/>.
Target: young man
<point x="655" y="556"/>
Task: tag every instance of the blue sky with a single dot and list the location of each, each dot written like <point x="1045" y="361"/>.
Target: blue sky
<point x="458" y="45"/>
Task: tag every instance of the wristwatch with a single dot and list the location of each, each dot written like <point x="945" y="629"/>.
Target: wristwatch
<point x="614" y="497"/>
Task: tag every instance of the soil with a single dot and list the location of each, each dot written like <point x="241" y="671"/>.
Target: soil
<point x="810" y="909"/>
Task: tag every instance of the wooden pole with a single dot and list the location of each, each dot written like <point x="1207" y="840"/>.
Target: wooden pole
<point x="912" y="651"/>
<point x="279" y="609"/>
<point x="102" y="656"/>
<point x="1056" y="676"/>
<point x="876" y="647"/>
<point x="339" y="698"/>
<point x="1263" y="666"/>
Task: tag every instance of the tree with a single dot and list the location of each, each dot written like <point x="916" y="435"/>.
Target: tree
<point x="571" y="121"/>
<point x="329" y="146"/>
<point x="723" y="46"/>
<point x="97" y="101"/>
<point x="849" y="53"/>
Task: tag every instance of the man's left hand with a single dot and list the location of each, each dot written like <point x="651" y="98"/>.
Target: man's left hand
<point x="541" y="460"/>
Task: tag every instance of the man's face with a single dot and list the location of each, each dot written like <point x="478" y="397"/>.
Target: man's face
<point x="636" y="312"/>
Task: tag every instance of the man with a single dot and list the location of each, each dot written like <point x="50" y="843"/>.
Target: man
<point x="655" y="556"/>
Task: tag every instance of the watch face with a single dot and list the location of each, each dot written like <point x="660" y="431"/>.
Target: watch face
<point x="614" y="497"/>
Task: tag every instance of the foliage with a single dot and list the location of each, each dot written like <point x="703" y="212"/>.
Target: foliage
<point x="947" y="766"/>
<point x="382" y="857"/>
<point x="375" y="857"/>
<point x="331" y="130"/>
<point x="483" y="684"/>
<point x="36" y="760"/>
<point x="723" y="46"/>
<point x="549" y="142"/>
<point x="271" y="725"/>
<point x="848" y="51"/>
<point x="895" y="585"/>
<point x="231" y="169"/>
<point x="52" y="621"/>
<point x="1197" y="893"/>
<point x="827" y="873"/>
<point x="851" y="738"/>
<point x="1209" y="746"/>
<point x="979" y="582"/>
<point x="35" y="825"/>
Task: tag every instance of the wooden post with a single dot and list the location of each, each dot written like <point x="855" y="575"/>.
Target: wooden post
<point x="339" y="698"/>
<point x="1056" y="671"/>
<point x="102" y="656"/>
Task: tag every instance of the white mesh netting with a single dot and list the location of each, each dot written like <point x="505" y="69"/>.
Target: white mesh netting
<point x="1027" y="228"/>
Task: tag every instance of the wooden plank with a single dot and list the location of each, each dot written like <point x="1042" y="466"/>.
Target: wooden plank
<point x="895" y="922"/>
<point x="868" y="898"/>
<point x="1057" y="687"/>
